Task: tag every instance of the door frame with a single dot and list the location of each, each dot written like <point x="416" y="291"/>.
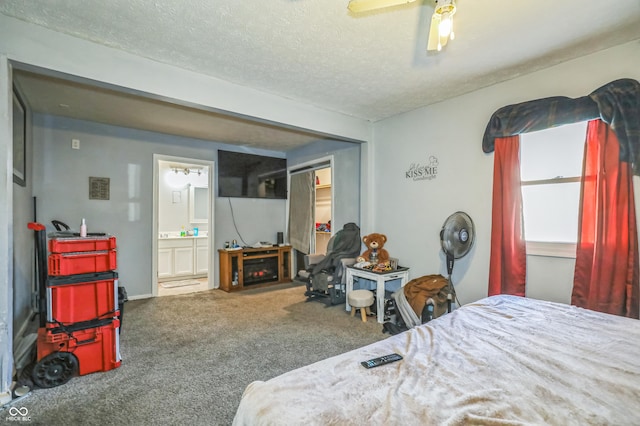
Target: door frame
<point x="315" y="164"/>
<point x="155" y="231"/>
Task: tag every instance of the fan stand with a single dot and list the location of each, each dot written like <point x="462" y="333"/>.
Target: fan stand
<point x="451" y="291"/>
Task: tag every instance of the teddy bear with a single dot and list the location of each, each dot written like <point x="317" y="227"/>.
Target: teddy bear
<point x="375" y="243"/>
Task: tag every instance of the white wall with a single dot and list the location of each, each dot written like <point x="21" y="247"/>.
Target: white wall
<point x="411" y="213"/>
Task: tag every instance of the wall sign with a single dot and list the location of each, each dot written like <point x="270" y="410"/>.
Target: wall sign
<point x="423" y="171"/>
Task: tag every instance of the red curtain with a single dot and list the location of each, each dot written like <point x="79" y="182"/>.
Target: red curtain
<point x="508" y="264"/>
<point x="606" y="272"/>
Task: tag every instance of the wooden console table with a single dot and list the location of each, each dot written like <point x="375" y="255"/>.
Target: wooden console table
<point x="254" y="267"/>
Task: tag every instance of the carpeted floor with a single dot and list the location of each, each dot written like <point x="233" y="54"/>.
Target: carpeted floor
<point x="187" y="359"/>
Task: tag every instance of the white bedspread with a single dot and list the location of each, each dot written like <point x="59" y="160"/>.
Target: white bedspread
<point x="503" y="360"/>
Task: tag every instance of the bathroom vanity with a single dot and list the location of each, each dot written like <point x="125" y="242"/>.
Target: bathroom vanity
<point x="183" y="257"/>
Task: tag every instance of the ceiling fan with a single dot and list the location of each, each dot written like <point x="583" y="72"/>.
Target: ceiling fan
<point x="441" y="30"/>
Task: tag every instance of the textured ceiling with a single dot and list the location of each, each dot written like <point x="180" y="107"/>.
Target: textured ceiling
<point x="371" y="66"/>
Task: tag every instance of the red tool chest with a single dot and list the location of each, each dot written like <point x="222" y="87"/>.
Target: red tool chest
<point x="79" y="332"/>
<point x="82" y="297"/>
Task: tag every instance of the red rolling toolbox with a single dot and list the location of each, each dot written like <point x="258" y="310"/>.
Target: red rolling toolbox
<point x="78" y="304"/>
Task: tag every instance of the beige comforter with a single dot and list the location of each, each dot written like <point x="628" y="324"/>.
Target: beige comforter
<point x="503" y="360"/>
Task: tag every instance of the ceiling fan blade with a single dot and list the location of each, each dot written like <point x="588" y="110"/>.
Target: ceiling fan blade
<point x="357" y="6"/>
<point x="434" y="34"/>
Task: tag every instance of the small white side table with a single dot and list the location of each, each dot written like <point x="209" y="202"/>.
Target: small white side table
<point x="381" y="279"/>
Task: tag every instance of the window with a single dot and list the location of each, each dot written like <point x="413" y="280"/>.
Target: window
<point x="550" y="170"/>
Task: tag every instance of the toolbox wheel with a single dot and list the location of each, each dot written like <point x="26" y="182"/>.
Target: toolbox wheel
<point x="55" y="369"/>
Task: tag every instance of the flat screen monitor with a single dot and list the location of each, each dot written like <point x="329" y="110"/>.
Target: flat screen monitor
<point x="251" y="176"/>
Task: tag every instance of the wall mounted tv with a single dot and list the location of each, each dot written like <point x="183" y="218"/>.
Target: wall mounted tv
<point x="251" y="176"/>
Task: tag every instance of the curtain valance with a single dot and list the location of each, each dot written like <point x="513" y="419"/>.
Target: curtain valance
<point x="616" y="103"/>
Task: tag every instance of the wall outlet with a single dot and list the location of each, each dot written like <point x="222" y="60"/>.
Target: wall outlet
<point x="75" y="143"/>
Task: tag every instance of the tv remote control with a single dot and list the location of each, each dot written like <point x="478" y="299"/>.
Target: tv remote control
<point x="375" y="362"/>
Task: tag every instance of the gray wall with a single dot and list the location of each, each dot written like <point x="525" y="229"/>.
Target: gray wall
<point x="61" y="176"/>
<point x="23" y="254"/>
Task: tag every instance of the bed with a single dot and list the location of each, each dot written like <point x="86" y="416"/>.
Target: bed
<point x="503" y="360"/>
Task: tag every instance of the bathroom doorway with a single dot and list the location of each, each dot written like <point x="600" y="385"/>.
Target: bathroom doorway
<point x="183" y="231"/>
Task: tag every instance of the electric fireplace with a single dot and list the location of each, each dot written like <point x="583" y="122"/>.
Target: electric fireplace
<point x="260" y="270"/>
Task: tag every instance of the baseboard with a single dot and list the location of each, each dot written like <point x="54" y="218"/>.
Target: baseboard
<point x="140" y="296"/>
<point x="5" y="398"/>
<point x="181" y="277"/>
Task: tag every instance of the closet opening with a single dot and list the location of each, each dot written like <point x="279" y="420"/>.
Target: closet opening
<point x="311" y="208"/>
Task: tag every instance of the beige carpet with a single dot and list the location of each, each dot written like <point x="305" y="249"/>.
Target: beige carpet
<point x="188" y="358"/>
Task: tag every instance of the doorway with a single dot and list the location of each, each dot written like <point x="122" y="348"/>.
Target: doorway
<point x="311" y="208"/>
<point x="322" y="209"/>
<point x="183" y="230"/>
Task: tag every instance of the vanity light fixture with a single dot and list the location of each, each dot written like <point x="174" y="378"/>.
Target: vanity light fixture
<point x="186" y="171"/>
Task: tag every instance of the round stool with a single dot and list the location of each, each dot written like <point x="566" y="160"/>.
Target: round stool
<point x="361" y="299"/>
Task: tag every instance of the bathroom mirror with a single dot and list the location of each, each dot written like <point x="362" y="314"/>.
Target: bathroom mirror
<point x="198" y="204"/>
